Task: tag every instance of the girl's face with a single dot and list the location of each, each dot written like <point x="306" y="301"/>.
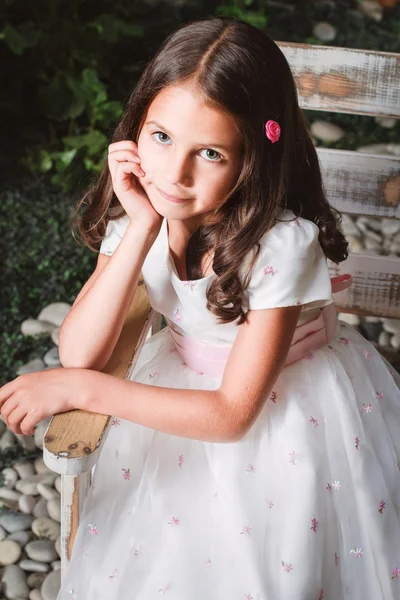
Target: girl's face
<point x="191" y="155"/>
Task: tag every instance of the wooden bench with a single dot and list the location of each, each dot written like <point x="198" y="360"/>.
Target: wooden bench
<point x="328" y="79"/>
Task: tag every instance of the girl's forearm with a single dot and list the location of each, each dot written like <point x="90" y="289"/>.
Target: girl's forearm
<point x="196" y="414"/>
<point x="92" y="327"/>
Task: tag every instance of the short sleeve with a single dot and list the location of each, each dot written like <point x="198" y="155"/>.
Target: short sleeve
<point x="114" y="234"/>
<point x="291" y="268"/>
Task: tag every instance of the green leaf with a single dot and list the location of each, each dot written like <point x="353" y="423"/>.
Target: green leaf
<point x="110" y="29"/>
<point x="108" y="112"/>
<point x="59" y="101"/>
<point x="94" y="141"/>
<point x="93" y="89"/>
<point x="19" y="39"/>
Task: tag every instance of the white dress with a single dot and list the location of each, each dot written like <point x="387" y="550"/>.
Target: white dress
<point x="305" y="507"/>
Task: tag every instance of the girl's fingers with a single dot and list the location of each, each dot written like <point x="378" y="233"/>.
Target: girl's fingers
<point x="26" y="426"/>
<point x="123" y="145"/>
<point x="121" y="155"/>
<point x="128" y="168"/>
<point x="15" y="418"/>
<point x="7" y="409"/>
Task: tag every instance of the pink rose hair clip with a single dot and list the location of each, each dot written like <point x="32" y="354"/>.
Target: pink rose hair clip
<point x="272" y="131"/>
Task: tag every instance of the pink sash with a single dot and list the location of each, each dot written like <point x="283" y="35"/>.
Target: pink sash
<point x="211" y="359"/>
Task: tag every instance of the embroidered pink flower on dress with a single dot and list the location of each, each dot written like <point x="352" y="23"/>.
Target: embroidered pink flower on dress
<point x="116" y="422"/>
<point x="246" y="529"/>
<point x="293" y="456"/>
<point x="126" y="474"/>
<point x="367" y="353"/>
<point x="248" y="597"/>
<point x="321" y="595"/>
<point x="395" y="573"/>
<point x="164" y="588"/>
<point x="336" y="485"/>
<point x="271" y="504"/>
<point x="287" y="567"/>
<point x="357" y="443"/>
<point x="177" y="315"/>
<point x="297" y="303"/>
<point x="368" y="408"/>
<point x="251" y="469"/>
<point x="273" y="397"/>
<point x="345" y="341"/>
<point x="358" y="552"/>
<point x="314" y="422"/>
<point x="328" y="487"/>
<point x="174" y="521"/>
<point x="332" y="348"/>
<point x="180" y="460"/>
<point x="336" y="559"/>
<point x="379" y="395"/>
<point x="154" y="375"/>
<point x="272" y="131"/>
<point x="314" y="525"/>
<point x="73" y="595"/>
<point x="309" y="356"/>
<point x="190" y="284"/>
<point x="268" y="270"/>
<point x="382" y="506"/>
<point x="208" y="563"/>
<point x="93" y="530"/>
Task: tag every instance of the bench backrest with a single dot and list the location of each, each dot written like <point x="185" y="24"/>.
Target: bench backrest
<point x="360" y="82"/>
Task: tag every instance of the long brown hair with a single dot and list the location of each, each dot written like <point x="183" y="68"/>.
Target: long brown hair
<point x="241" y="70"/>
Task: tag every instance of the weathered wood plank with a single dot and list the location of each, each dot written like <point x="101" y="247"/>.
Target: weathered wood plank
<point x="73" y="439"/>
<point x="345" y="80"/>
<point x="358" y="183"/>
<point x="376" y="285"/>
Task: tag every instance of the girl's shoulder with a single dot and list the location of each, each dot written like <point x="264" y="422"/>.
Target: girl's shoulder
<point x="291" y="236"/>
<point x="291" y="268"/>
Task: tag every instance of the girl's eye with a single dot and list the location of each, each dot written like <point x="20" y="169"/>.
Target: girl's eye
<point x="212" y="155"/>
<point x="161" y="136"/>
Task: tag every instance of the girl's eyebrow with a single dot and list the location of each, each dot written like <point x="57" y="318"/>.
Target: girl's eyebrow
<point x="220" y="146"/>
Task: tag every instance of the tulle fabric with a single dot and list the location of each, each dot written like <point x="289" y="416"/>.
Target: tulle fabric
<point x="305" y="507"/>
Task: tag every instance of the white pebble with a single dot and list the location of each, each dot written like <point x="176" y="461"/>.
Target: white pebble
<point x="40" y="509"/>
<point x="34" y="566"/>
<point x="10" y="477"/>
<point x="7" y="494"/>
<point x="349" y="318"/>
<point x="33" y="366"/>
<point x="7" y="440"/>
<point x="27" y="503"/>
<point x="391" y="325"/>
<point x="40" y="466"/>
<point x="324" y="31"/>
<point x="54" y="508"/>
<point x="47" y="492"/>
<point x="51" y="585"/>
<point x="384" y="338"/>
<point x="10" y="552"/>
<point x="395" y="341"/>
<point x="24" y="469"/>
<point x="54" y="313"/>
<point x="46" y="528"/>
<point x="14" y="582"/>
<point x="35" y="595"/>
<point x="326" y="131"/>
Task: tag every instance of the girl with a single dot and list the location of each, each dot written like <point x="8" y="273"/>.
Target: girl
<point x="237" y="466"/>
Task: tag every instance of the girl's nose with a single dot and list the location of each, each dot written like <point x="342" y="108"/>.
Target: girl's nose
<point x="178" y="169"/>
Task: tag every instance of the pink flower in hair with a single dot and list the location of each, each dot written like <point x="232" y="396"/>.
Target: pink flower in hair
<point x="272" y="131"/>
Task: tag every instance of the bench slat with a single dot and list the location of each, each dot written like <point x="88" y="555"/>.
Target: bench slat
<point x="345" y="80"/>
<point x="88" y="430"/>
<point x="376" y="285"/>
<point x="358" y="183"/>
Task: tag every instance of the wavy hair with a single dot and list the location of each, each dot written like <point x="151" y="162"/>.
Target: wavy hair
<point x="240" y="70"/>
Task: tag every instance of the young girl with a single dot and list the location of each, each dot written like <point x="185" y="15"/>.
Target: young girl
<point x="254" y="455"/>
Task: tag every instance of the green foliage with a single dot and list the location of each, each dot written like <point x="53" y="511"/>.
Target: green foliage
<point x="76" y="62"/>
<point x="42" y="264"/>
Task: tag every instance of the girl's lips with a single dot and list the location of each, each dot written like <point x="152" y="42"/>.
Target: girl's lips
<point x="174" y="199"/>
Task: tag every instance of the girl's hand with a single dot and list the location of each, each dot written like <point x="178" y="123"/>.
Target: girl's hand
<point x="125" y="170"/>
<point x="33" y="397"/>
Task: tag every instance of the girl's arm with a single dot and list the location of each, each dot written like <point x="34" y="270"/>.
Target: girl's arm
<point x="223" y="415"/>
<point x="92" y="327"/>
